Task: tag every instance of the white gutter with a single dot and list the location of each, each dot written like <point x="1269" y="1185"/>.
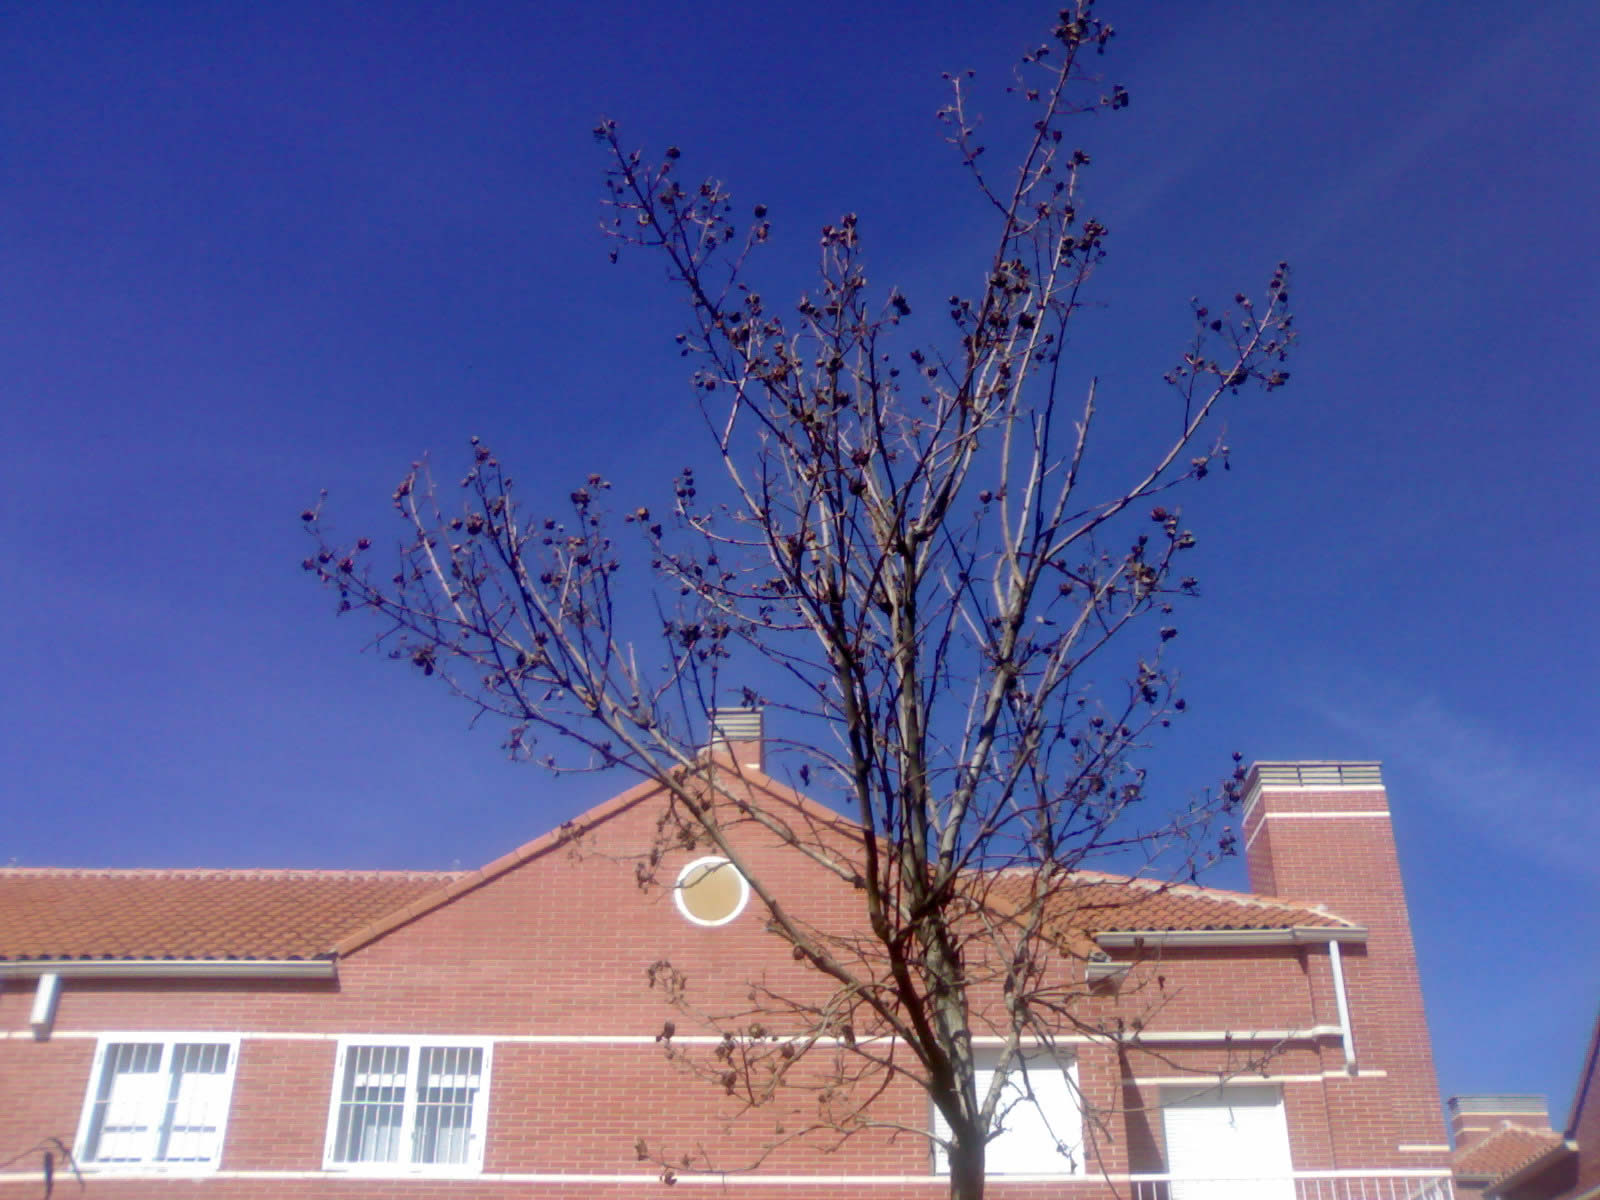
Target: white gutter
<point x="1299" y="935"/>
<point x="1347" y="1035"/>
<point x="171" y="968"/>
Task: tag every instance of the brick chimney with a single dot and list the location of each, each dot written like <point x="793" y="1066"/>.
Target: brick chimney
<point x="740" y="732"/>
<point x="1473" y="1118"/>
<point x="1320" y="832"/>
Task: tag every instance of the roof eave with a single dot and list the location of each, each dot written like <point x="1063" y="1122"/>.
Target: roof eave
<point x="1298" y="935"/>
<point x="172" y="968"/>
<point x="1533" y="1166"/>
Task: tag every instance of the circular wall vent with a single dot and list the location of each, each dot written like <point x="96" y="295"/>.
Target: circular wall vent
<point x="710" y="891"/>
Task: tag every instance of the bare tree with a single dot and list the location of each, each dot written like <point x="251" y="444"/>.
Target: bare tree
<point x="914" y="545"/>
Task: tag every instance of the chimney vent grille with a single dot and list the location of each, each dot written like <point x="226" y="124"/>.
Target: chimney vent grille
<point x="735" y="725"/>
<point x="1500" y="1105"/>
<point x="1320" y="774"/>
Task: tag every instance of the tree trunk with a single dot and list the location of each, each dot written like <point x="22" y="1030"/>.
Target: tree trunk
<point x="966" y="1169"/>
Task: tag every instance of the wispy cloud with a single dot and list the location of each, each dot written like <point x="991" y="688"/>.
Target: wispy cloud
<point x="1356" y="188"/>
<point x="1496" y="789"/>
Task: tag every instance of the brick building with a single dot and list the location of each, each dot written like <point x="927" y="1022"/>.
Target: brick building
<point x="492" y="1034"/>
<point x="1506" y="1149"/>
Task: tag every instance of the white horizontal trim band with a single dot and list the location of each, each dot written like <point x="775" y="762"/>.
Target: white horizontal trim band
<point x="1203" y="1079"/>
<point x="1317" y="787"/>
<point x="1423" y="1148"/>
<point x="171" y="968"/>
<point x="1253" y="796"/>
<point x="1235" y="1035"/>
<point x="647" y="1039"/>
<point x="722" y="1181"/>
<point x="1345" y="1173"/>
<point x="1328" y="816"/>
<point x="1299" y="935"/>
<point x="539" y="1177"/>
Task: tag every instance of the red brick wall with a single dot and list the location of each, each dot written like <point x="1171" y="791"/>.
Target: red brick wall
<point x="1586" y="1113"/>
<point x="559" y="947"/>
<point x="41" y="1083"/>
<point x="1350" y="864"/>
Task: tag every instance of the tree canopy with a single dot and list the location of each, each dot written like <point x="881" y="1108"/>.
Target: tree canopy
<point x="911" y="552"/>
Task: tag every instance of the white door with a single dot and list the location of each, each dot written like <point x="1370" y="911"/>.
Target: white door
<point x="1228" y="1143"/>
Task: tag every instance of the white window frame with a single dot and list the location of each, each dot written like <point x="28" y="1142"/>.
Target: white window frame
<point x="1054" y="1078"/>
<point x="711" y="862"/>
<point x="477" y="1131"/>
<point x="168" y="1042"/>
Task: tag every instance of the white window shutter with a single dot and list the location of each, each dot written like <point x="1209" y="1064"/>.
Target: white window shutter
<point x="1041" y="1135"/>
<point x="1038" y="1136"/>
<point x="1230" y="1143"/>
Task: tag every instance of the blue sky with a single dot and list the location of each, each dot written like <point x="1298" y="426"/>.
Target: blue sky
<point x="252" y="251"/>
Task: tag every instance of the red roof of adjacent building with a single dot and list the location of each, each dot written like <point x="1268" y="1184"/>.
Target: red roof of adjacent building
<point x="1504" y="1151"/>
<point x="47" y="913"/>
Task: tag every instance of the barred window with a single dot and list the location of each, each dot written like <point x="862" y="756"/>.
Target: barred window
<point x="157" y="1101"/>
<point x="416" y="1103"/>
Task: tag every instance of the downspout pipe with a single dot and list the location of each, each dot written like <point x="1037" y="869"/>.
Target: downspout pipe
<point x="43" y="1017"/>
<point x="1347" y="1037"/>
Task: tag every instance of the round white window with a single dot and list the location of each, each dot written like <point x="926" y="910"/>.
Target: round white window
<point x="710" y="891"/>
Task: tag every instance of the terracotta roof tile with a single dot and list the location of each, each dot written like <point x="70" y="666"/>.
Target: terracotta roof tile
<point x="1113" y="904"/>
<point x="1503" y="1151"/>
<point x="199" y="914"/>
<point x="194" y="914"/>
